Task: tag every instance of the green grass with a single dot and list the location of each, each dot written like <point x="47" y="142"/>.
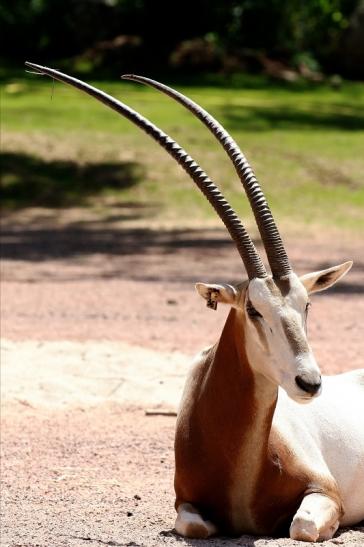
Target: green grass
<point x="306" y="145"/>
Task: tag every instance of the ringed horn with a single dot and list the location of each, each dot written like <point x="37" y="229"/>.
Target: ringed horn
<point x="272" y="240"/>
<point x="245" y="246"/>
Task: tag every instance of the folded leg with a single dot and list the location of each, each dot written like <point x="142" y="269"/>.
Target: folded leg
<point x="317" y="518"/>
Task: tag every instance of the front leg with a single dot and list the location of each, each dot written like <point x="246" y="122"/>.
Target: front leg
<point x="317" y="518"/>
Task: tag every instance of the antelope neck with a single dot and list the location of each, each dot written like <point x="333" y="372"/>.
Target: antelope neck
<point x="242" y="414"/>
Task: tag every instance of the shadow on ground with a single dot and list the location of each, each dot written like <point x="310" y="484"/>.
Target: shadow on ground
<point x="147" y="254"/>
<point x="29" y="180"/>
<point x="251" y="541"/>
<point x="39" y="244"/>
<point x="341" y="116"/>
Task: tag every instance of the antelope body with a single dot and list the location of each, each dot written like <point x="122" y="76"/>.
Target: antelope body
<point x="251" y="456"/>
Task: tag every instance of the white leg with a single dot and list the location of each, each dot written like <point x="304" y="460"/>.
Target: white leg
<point x="189" y="523"/>
<point x="316" y="519"/>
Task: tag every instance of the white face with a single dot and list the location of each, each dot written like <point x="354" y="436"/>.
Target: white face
<point x="276" y="313"/>
<point x="275" y="330"/>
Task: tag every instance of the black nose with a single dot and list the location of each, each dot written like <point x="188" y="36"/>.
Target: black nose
<point x="308" y="386"/>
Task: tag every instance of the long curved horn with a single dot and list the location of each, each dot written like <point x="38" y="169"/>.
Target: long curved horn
<point x="245" y="246"/>
<point x="272" y="240"/>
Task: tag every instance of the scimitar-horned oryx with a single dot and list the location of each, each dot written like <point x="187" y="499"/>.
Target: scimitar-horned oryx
<point x="251" y="457"/>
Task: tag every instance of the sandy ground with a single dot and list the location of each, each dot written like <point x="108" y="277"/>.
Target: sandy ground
<point x="99" y="325"/>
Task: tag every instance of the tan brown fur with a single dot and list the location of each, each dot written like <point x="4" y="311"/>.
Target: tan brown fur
<point x="209" y="436"/>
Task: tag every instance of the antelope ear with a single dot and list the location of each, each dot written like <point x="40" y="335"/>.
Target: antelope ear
<point x="213" y="293"/>
<point x="319" y="281"/>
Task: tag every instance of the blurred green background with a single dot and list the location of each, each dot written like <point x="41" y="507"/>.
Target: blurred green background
<point x="285" y="78"/>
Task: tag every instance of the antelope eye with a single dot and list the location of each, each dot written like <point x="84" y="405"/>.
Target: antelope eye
<point x="252" y="312"/>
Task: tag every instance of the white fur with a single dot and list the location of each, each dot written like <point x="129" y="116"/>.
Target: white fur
<point x="277" y="361"/>
<point x="328" y="435"/>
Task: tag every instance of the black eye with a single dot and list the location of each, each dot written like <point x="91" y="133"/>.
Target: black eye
<point x="308" y="305"/>
<point x="252" y="312"/>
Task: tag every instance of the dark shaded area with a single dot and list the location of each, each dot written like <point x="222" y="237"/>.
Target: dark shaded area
<point x="239" y="81"/>
<point x="251" y="541"/>
<point x="195" y="36"/>
<point x="84" y="239"/>
<point x="103" y="251"/>
<point x="140" y="253"/>
<point x="244" y="541"/>
<point x="28" y="180"/>
<point x="344" y="288"/>
<point x="344" y="116"/>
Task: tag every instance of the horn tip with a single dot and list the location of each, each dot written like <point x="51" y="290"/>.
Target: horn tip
<point x="137" y="78"/>
<point x="128" y="76"/>
<point x="37" y="68"/>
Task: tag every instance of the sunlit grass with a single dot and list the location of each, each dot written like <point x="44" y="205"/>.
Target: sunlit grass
<point x="306" y="146"/>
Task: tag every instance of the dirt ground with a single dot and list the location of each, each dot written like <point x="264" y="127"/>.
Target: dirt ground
<point x="99" y="324"/>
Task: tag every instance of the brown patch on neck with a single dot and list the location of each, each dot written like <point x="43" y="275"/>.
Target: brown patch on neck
<point x="223" y="431"/>
<point x="213" y="425"/>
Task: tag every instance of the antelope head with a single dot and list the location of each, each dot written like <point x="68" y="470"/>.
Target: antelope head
<point x="274" y="319"/>
<point x="273" y="306"/>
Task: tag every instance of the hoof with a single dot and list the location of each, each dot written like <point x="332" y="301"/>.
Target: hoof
<point x="196" y="530"/>
<point x="303" y="528"/>
<point x="329" y="532"/>
<point x="190" y="524"/>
